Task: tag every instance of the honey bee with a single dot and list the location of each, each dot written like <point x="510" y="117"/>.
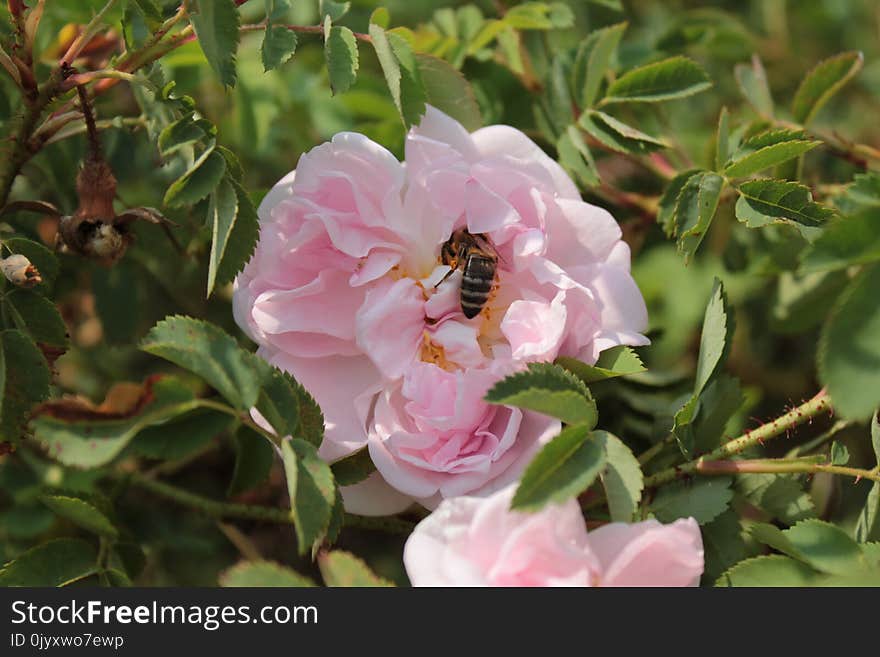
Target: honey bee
<point x="478" y="260"/>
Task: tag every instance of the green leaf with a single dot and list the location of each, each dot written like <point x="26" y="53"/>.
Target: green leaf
<point x="702" y="499"/>
<point x="449" y="91"/>
<point x="768" y="156"/>
<point x="676" y="77"/>
<point x="822" y="82"/>
<point x="593" y="61"/>
<point x="669" y="201"/>
<point x="401" y="71"/>
<point x="262" y="574"/>
<point x="719" y="400"/>
<point x="576" y="158"/>
<point x="201" y="179"/>
<point x="380" y="17"/>
<point x="547" y="389"/>
<point x="289" y="408"/>
<point x="334" y="10"/>
<point x="613" y="362"/>
<point x="539" y="16"/>
<point x="341" y="55"/>
<point x="180" y="134"/>
<point x="723" y="544"/>
<point x="695" y="208"/>
<point x="564" y="468"/>
<point x="622" y="478"/>
<point x="864" y="191"/>
<point x="868" y="525"/>
<point x="182" y="436"/>
<point x="92" y="443"/>
<point x="722" y="140"/>
<point x="150" y="11"/>
<point x="354" y="468"/>
<point x="762" y="202"/>
<point x="57" y="563"/>
<point x="339" y="568"/>
<point x="81" y="513"/>
<point x="216" y="23"/>
<point x="242" y="238"/>
<point x="798" y="296"/>
<point x="715" y="341"/>
<point x="849" y="348"/>
<point x="819" y="544"/>
<point x="616" y="5"/>
<point x="276" y="10"/>
<point x="209" y="352"/>
<point x="766" y="138"/>
<point x="771" y="570"/>
<point x="312" y="491"/>
<point x="279" y="44"/>
<point x="716" y="337"/>
<point x="839" y="453"/>
<point x="42" y="258"/>
<point x="618" y="135"/>
<point x="24" y="381"/>
<point x="254" y="456"/>
<point x="36" y="316"/>
<point x="682" y="425"/>
<point x="850" y="240"/>
<point x="222" y="212"/>
<point x="752" y="81"/>
<point x="782" y="496"/>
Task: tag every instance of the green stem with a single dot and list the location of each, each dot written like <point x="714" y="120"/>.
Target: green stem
<point x="655" y="449"/>
<point x="206" y="505"/>
<point x="215" y="509"/>
<point x="388" y="524"/>
<point x="795" y="417"/>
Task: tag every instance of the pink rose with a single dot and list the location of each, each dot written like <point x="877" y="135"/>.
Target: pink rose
<point x="470" y="541"/>
<point x="342" y="292"/>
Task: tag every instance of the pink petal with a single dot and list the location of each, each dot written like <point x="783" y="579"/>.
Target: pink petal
<point x="392" y="308"/>
<point x="340" y="385"/>
<point x="649" y="553"/>
<point x="496" y="140"/>
<point x="535" y="329"/>
<point x="486" y="211"/>
<point x="443" y="128"/>
<point x="374" y="497"/>
<point x="579" y="233"/>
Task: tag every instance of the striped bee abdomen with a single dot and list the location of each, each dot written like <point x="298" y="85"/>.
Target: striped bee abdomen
<point x="476" y="284"/>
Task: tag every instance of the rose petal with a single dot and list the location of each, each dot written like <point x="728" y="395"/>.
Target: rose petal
<point x="649" y="554"/>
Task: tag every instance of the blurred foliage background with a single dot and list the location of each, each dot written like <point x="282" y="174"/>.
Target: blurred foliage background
<point x="270" y="118"/>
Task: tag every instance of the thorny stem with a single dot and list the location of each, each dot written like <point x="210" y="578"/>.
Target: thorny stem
<point x="206" y="505"/>
<point x="217" y="509"/>
<point x="23" y="125"/>
<point x="795" y="417"/>
<point x="85" y="106"/>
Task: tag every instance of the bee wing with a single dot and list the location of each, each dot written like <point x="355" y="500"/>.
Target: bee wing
<point x="486" y="245"/>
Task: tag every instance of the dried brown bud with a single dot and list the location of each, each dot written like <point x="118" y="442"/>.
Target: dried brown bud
<point x="20" y="271"/>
